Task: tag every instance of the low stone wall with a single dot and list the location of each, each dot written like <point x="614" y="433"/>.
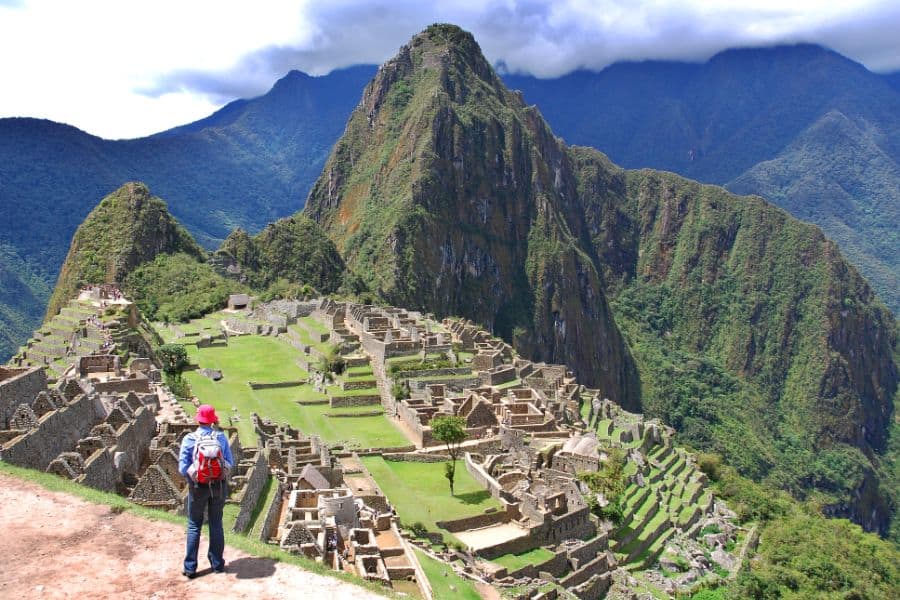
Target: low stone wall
<point x="556" y="566"/>
<point x="514" y="546"/>
<point x="349" y="401"/>
<point x="256" y="385"/>
<point x="448" y="371"/>
<point x="482" y="477"/>
<point x="139" y="385"/>
<point x="256" y="482"/>
<point x="589" y="550"/>
<point x="58" y="432"/>
<point x="416" y="457"/>
<point x="270" y="525"/>
<point x="476" y="522"/>
<point x="452" y="383"/>
<point x="365" y="413"/>
<point x="357" y="384"/>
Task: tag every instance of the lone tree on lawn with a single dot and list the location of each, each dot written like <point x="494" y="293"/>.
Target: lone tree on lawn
<point x="452" y="431"/>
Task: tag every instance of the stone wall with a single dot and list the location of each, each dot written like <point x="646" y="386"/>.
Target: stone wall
<point x="19" y="386"/>
<point x="133" y="440"/>
<point x="100" y="471"/>
<point x="475" y="522"/>
<point x="139" y="384"/>
<point x="256" y="482"/>
<point x="416" y="457"/>
<point x="348" y="401"/>
<point x="273" y="515"/>
<point x="58" y="431"/>
<point x="255" y="385"/>
<point x="556" y="566"/>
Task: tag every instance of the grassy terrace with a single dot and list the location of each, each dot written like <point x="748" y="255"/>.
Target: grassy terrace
<point x="270" y="359"/>
<point x="407" y="484"/>
<point x="514" y="562"/>
<point x="445" y="583"/>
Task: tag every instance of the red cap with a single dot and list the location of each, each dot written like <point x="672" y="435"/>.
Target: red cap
<point x="206" y="415"/>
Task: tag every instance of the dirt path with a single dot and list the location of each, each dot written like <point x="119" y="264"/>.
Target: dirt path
<point x="59" y="546"/>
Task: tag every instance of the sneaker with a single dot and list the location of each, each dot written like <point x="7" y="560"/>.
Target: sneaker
<point x="189" y="574"/>
<point x="219" y="570"/>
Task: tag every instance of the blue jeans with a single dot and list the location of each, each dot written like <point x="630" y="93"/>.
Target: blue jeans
<point x="205" y="499"/>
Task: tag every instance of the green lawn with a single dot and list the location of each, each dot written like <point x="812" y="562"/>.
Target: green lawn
<point x="269" y="359"/>
<point x="419" y="491"/>
<point x="514" y="562"/>
<point x="249" y="358"/>
<point x="442" y="577"/>
<point x="363" y="432"/>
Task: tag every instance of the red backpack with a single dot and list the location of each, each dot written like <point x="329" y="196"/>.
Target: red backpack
<point x="209" y="462"/>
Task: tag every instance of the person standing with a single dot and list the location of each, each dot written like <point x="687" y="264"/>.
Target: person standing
<point x="205" y="460"/>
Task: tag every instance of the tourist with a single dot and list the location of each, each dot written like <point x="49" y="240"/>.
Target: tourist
<point x="205" y="495"/>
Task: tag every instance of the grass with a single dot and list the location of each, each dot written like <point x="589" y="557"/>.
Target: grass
<point x="445" y="583"/>
<point x="363" y="432"/>
<point x="241" y="542"/>
<point x="269" y="359"/>
<point x="509" y="384"/>
<point x="249" y="358"/>
<point x="419" y="491"/>
<point x="514" y="562"/>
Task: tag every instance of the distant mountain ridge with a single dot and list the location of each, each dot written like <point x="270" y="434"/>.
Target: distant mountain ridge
<point x="248" y="164"/>
<point x="801" y="125"/>
<point x="254" y="161"/>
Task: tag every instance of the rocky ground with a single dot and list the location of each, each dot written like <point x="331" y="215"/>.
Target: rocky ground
<point x="59" y="546"/>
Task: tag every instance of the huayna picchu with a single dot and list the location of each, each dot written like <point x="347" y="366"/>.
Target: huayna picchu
<point x="744" y="328"/>
<point x="433" y="377"/>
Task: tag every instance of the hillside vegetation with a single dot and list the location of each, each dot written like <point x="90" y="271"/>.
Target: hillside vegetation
<point x="805" y="127"/>
<point x="293" y="249"/>
<point x="127" y="228"/>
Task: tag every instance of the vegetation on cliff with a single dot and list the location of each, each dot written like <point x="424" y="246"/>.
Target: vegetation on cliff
<point x="177" y="287"/>
<point x="293" y="250"/>
<point x="128" y="227"/>
<point x="808" y="129"/>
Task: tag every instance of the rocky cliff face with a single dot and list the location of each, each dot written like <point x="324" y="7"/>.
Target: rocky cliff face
<point x="129" y="227"/>
<point x="446" y="193"/>
<point x="702" y="279"/>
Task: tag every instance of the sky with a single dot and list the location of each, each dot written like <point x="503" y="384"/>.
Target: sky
<point x="128" y="68"/>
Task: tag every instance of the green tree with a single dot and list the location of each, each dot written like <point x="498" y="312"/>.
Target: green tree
<point x="452" y="431"/>
<point x="332" y="362"/>
<point x="609" y="480"/>
<point x="173" y="357"/>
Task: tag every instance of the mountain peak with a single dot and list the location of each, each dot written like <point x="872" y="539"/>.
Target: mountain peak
<point x="447" y="194"/>
<point x="128" y="227"/>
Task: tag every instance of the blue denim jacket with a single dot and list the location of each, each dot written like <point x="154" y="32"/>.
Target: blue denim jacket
<point x="186" y="455"/>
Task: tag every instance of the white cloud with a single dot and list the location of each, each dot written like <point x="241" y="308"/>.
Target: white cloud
<point x="123" y="69"/>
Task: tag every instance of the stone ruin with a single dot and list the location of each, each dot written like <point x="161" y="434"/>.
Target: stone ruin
<point x="97" y="439"/>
